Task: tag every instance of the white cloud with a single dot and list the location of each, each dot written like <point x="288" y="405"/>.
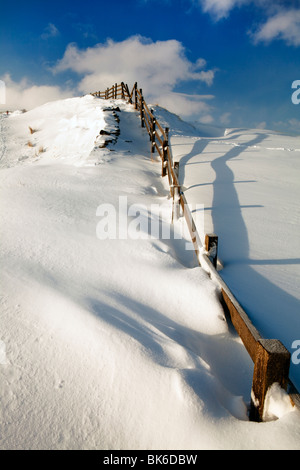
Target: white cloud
<point x="220" y="8"/>
<point x="280" y="19"/>
<point x="261" y="125"/>
<point x="24" y="95"/>
<point x="291" y="125"/>
<point x="2" y="92"/>
<point x="187" y="105"/>
<point x="295" y="124"/>
<point x="50" y="31"/>
<point x="225" y="118"/>
<point x="158" y="67"/>
<point x="284" y="25"/>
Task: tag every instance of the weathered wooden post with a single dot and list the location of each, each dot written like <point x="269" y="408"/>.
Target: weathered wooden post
<point x="271" y="366"/>
<point x="142" y="108"/>
<point x="123" y="92"/>
<point x="165" y="153"/>
<point x="153" y="131"/>
<point x="175" y="178"/>
<point x="211" y="246"/>
<point x="128" y="94"/>
<point x="116" y="91"/>
<point x="135" y="96"/>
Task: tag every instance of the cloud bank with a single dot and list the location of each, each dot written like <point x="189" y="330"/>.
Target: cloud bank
<point x="159" y="67"/>
<point x="25" y="95"/>
<point x="283" y="25"/>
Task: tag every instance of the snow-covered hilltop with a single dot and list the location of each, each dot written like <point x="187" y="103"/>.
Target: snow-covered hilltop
<point x="112" y="337"/>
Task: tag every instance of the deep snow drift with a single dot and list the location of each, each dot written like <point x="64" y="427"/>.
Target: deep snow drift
<point x="116" y="343"/>
<point x="248" y="182"/>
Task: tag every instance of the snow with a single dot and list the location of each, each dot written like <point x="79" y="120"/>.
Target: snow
<point x="112" y="343"/>
<point x="248" y="183"/>
<point x="277" y="403"/>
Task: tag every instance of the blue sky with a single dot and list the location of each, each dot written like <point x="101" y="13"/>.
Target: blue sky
<point x="224" y="62"/>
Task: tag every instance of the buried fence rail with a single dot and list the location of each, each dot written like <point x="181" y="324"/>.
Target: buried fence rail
<point x="270" y="357"/>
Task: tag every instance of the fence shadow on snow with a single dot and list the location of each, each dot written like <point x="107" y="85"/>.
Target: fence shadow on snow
<point x="271" y="358"/>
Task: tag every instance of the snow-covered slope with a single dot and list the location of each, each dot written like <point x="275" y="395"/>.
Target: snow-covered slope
<point x="248" y="183"/>
<point x="116" y="343"/>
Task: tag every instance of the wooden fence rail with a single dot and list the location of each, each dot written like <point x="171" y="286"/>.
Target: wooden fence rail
<point x="271" y="358"/>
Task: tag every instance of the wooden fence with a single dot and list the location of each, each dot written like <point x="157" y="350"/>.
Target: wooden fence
<point x="271" y="358"/>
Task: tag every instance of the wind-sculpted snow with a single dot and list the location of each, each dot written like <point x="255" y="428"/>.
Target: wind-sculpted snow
<point x="112" y="343"/>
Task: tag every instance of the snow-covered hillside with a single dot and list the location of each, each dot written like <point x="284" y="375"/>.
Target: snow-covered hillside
<point x="114" y="342"/>
<point x="248" y="183"/>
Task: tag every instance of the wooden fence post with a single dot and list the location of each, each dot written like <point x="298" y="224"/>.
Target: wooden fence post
<point x="165" y="153"/>
<point x="123" y="92"/>
<point x="128" y="93"/>
<point x="135" y="96"/>
<point x="176" y="169"/>
<point x="271" y="366"/>
<point x="142" y="109"/>
<point x="153" y="131"/>
<point x="211" y="246"/>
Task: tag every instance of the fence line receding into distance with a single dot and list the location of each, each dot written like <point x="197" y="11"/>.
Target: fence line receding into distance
<point x="271" y="358"/>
